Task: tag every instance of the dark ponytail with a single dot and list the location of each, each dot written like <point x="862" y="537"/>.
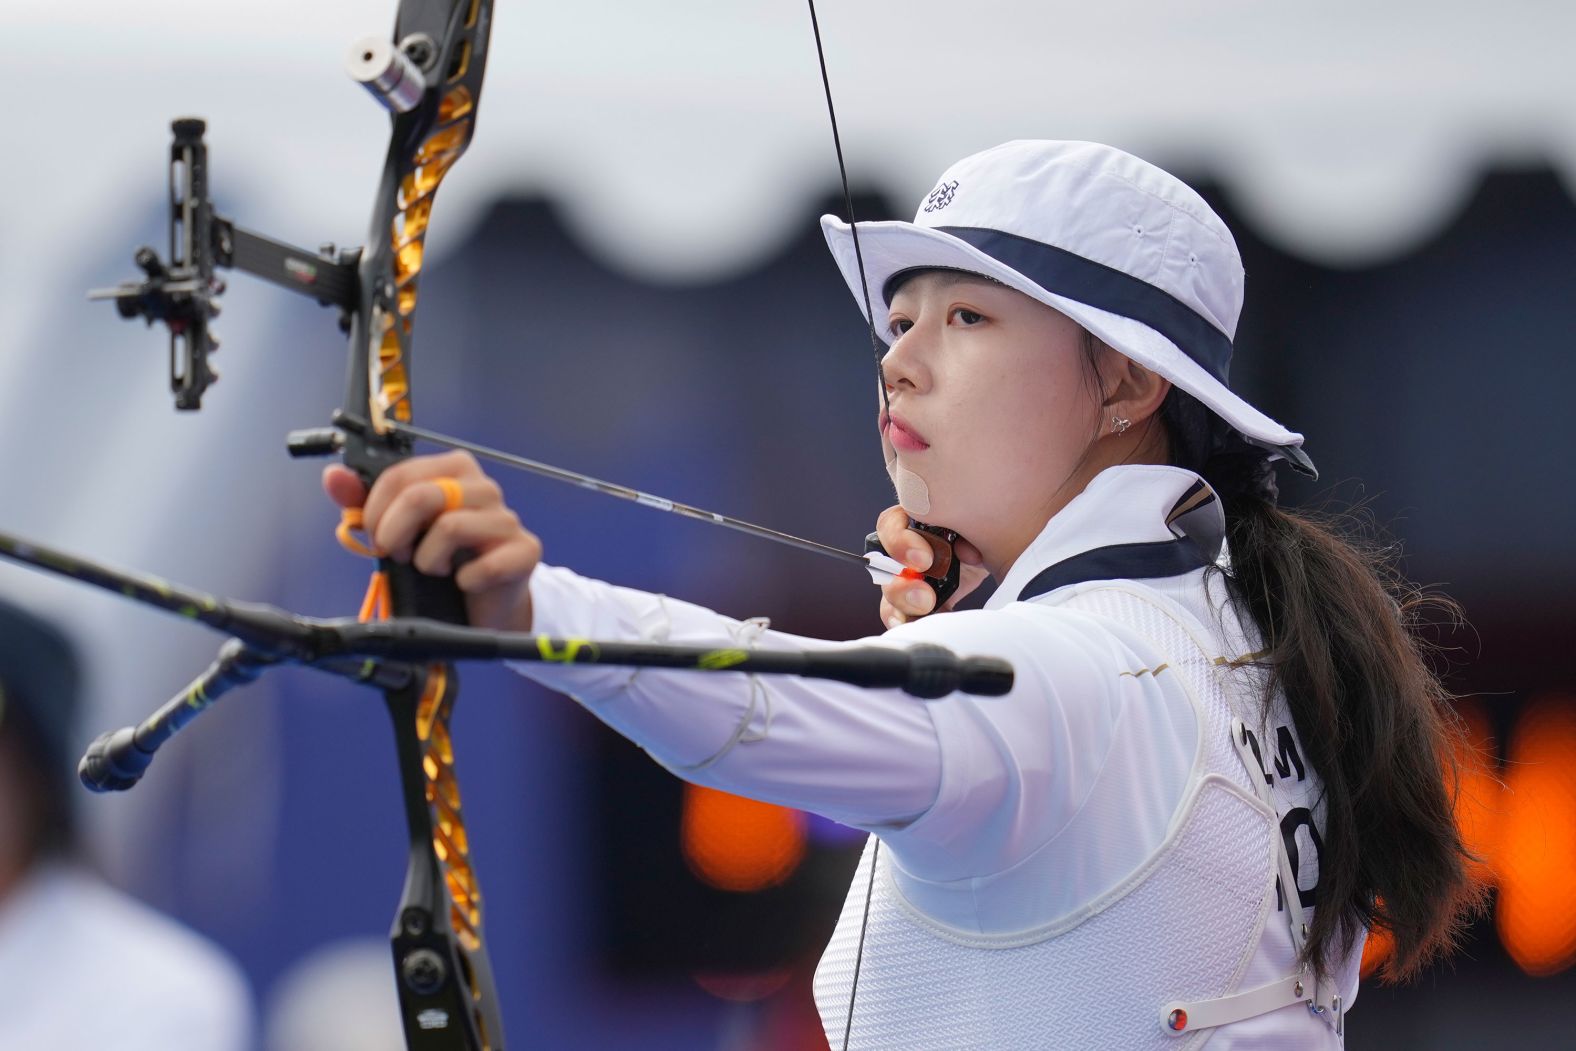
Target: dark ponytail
<point x="1338" y="624"/>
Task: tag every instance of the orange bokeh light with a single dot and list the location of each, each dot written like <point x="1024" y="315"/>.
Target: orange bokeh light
<point x="1479" y="813"/>
<point x="1536" y="856"/>
<point x="739" y="844"/>
<point x="1480" y="804"/>
<point x="1377" y="949"/>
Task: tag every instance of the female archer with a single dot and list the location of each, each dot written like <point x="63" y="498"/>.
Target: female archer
<point x="1223" y="761"/>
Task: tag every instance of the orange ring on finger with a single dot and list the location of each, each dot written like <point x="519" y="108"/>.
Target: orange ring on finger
<point x="453" y="495"/>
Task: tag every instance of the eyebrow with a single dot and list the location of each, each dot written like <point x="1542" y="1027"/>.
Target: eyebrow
<point x="945" y="275"/>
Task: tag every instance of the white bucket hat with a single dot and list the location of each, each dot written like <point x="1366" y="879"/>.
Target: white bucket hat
<point x="1123" y="248"/>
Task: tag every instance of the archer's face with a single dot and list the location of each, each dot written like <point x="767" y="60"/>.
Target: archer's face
<point x="992" y="407"/>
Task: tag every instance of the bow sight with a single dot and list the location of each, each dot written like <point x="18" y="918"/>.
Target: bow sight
<point x="183" y="292"/>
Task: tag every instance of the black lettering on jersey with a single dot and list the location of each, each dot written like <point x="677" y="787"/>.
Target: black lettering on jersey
<point x="1258" y="756"/>
<point x="1287" y="755"/>
<point x="1299" y="817"/>
<point x="1286" y="748"/>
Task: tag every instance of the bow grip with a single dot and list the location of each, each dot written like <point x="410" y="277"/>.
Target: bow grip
<point x="412" y="592"/>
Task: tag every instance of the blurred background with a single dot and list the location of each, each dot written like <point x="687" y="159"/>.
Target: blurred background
<point x="625" y="278"/>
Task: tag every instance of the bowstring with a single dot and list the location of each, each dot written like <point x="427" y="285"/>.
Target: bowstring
<point x="877" y="351"/>
<point x="848" y="204"/>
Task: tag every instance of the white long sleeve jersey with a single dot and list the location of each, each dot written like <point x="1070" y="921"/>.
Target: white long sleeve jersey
<point x="1056" y="864"/>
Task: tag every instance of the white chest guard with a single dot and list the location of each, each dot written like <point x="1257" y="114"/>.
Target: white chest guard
<point x="1154" y="963"/>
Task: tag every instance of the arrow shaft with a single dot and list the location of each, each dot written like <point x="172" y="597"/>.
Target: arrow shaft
<point x="624" y="492"/>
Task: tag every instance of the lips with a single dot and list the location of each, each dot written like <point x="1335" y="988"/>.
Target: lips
<point x="903" y="437"/>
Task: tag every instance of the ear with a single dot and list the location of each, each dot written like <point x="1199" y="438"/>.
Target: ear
<point x="1133" y="393"/>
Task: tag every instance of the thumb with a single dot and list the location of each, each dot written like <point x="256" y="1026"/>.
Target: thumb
<point x="344" y="486"/>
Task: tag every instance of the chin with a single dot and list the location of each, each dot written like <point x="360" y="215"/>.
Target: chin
<point x="961" y="508"/>
<point x="941" y="515"/>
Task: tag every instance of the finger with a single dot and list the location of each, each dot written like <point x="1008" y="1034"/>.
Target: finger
<point x="454" y="531"/>
<point x="409" y="472"/>
<point x="508" y="563"/>
<point x="967" y="553"/>
<point x="344" y="486"/>
<point x="909" y="595"/>
<point x="912" y="598"/>
<point x="906" y="545"/>
<point x="415" y="509"/>
<point x="416" y="469"/>
<point x="891" y="617"/>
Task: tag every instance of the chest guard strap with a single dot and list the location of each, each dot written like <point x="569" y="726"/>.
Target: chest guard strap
<point x="1182" y="1017"/>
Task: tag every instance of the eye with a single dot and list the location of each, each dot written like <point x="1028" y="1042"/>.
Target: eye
<point x="966" y="316"/>
<point x="899" y="325"/>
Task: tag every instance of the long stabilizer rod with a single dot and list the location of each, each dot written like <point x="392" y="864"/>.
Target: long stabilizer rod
<point x="382" y="652"/>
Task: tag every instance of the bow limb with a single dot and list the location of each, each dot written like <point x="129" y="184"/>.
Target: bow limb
<point x="431" y="79"/>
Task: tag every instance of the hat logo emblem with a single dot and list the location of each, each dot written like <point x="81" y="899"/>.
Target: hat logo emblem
<point x="941" y="196"/>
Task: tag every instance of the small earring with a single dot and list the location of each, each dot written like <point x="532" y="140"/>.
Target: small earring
<point x="1120" y="424"/>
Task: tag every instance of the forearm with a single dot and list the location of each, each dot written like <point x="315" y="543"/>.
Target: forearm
<point x="863" y="757"/>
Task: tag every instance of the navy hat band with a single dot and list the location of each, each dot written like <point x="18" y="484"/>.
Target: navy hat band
<point x="1064" y="273"/>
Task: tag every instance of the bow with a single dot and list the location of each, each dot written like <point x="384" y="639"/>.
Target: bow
<point x="431" y="80"/>
<point x="447" y="998"/>
<point x="429" y="76"/>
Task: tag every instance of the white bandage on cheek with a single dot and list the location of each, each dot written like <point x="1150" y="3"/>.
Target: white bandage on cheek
<point x="912" y="492"/>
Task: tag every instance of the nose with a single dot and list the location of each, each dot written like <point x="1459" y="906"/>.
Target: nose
<point x="903" y="365"/>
